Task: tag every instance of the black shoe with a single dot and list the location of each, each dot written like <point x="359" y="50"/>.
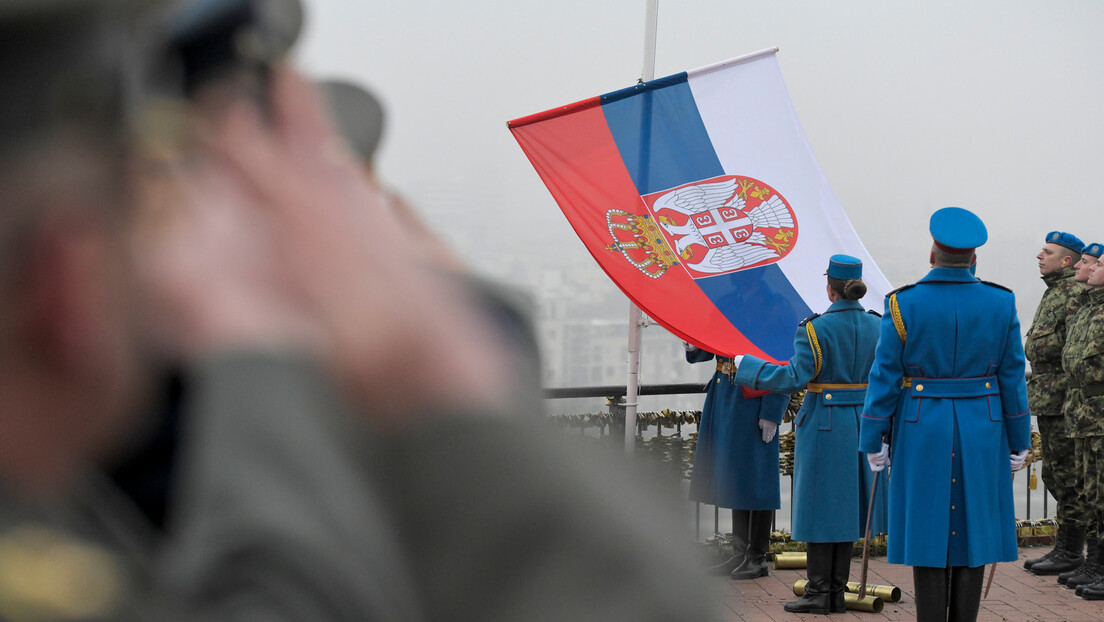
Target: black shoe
<point x="817" y="598"/>
<point x="1028" y="563"/>
<point x="1066" y="555"/>
<point x="740" y="520"/>
<point x="810" y="603"/>
<point x="1092" y="591"/>
<point x="1059" y="562"/>
<point x="727" y="566"/>
<point x="1088" y="573"/>
<point x="1066" y="576"/>
<point x="750" y="570"/>
<point x="758" y="544"/>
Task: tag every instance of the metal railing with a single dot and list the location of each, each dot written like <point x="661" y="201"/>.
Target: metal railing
<point x="613" y="421"/>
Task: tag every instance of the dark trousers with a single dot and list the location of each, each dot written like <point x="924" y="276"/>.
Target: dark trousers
<point x="947" y="594"/>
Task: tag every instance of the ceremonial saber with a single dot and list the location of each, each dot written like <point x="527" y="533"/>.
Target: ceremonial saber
<point x="866" y="539"/>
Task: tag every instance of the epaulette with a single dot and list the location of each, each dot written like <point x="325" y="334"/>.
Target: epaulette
<point x="874" y="313"/>
<point x="809" y="319"/>
<point x="901" y="289"/>
<point x="1007" y="289"/>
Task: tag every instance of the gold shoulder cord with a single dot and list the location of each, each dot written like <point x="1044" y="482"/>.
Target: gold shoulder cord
<point x="816" y="347"/>
<point x="898" y="321"/>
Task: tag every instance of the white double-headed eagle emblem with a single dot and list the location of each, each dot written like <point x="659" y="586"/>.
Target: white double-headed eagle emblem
<point x="719" y="222"/>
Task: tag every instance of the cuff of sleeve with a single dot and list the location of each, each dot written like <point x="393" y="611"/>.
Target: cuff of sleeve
<point x="1019" y="431"/>
<point x="870" y="439"/>
<point x="748" y="371"/>
<point x="774" y="407"/>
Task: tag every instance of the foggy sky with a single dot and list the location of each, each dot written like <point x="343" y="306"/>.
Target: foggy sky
<point x="909" y="107"/>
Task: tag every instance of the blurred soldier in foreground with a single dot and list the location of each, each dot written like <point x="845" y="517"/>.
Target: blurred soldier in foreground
<point x="315" y="462"/>
<point x="358" y="117"/>
<point x="1046" y="390"/>
<point x="1084" y="410"/>
<point x="947" y="392"/>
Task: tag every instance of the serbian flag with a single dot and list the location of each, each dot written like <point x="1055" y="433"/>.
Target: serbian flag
<point x="699" y="195"/>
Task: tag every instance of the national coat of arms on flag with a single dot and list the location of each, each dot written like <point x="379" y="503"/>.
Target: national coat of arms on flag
<point x="700" y="197"/>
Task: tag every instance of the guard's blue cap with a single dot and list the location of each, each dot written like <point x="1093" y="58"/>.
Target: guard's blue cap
<point x="844" y="267"/>
<point x="1070" y="241"/>
<point x="1095" y="249"/>
<point x="957" y="230"/>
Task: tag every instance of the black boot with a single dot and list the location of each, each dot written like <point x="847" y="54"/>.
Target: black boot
<point x="739" y="545"/>
<point x="818" y="565"/>
<point x="841" y="570"/>
<point x="1094" y="575"/>
<point x="758" y="544"/>
<point x="1066" y="555"/>
<point x="1092" y="591"/>
<point x="965" y="598"/>
<point x="1089" y="572"/>
<point x="1028" y="563"/>
<point x="930" y="585"/>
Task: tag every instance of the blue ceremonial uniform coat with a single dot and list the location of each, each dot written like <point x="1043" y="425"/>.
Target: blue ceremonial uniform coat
<point x="956" y="345"/>
<point x="733" y="467"/>
<point x="831" y="477"/>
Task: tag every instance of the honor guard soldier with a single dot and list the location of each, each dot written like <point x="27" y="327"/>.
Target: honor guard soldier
<point x="1046" y="391"/>
<point x="947" y="389"/>
<point x="833" y="352"/>
<point x="1084" y="410"/>
<point x="736" y="463"/>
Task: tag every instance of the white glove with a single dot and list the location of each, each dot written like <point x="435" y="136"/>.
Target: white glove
<point x="879" y="461"/>
<point x="769" y="428"/>
<point x="736" y="360"/>
<point x="1018" y="460"/>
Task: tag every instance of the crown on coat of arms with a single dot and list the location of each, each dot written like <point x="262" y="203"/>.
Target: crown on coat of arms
<point x="638" y="238"/>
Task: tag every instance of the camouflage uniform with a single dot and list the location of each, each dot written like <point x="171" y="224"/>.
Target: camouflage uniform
<point x="1046" y="389"/>
<point x="1083" y="361"/>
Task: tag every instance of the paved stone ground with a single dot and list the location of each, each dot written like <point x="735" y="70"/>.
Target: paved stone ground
<point x="1016" y="595"/>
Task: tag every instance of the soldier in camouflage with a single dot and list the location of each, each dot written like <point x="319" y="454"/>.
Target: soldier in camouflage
<point x="1084" y="409"/>
<point x="1046" y="392"/>
<point x="1080" y="511"/>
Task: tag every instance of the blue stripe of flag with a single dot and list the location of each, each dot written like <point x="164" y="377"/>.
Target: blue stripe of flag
<point x="664" y="144"/>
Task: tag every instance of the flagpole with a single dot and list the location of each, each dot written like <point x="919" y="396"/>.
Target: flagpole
<point x="635" y="316"/>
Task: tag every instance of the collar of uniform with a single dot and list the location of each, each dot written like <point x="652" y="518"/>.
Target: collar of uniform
<point x="949" y="274"/>
<point x="845" y="305"/>
<point x="1094" y="295"/>
<point x="1060" y="274"/>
